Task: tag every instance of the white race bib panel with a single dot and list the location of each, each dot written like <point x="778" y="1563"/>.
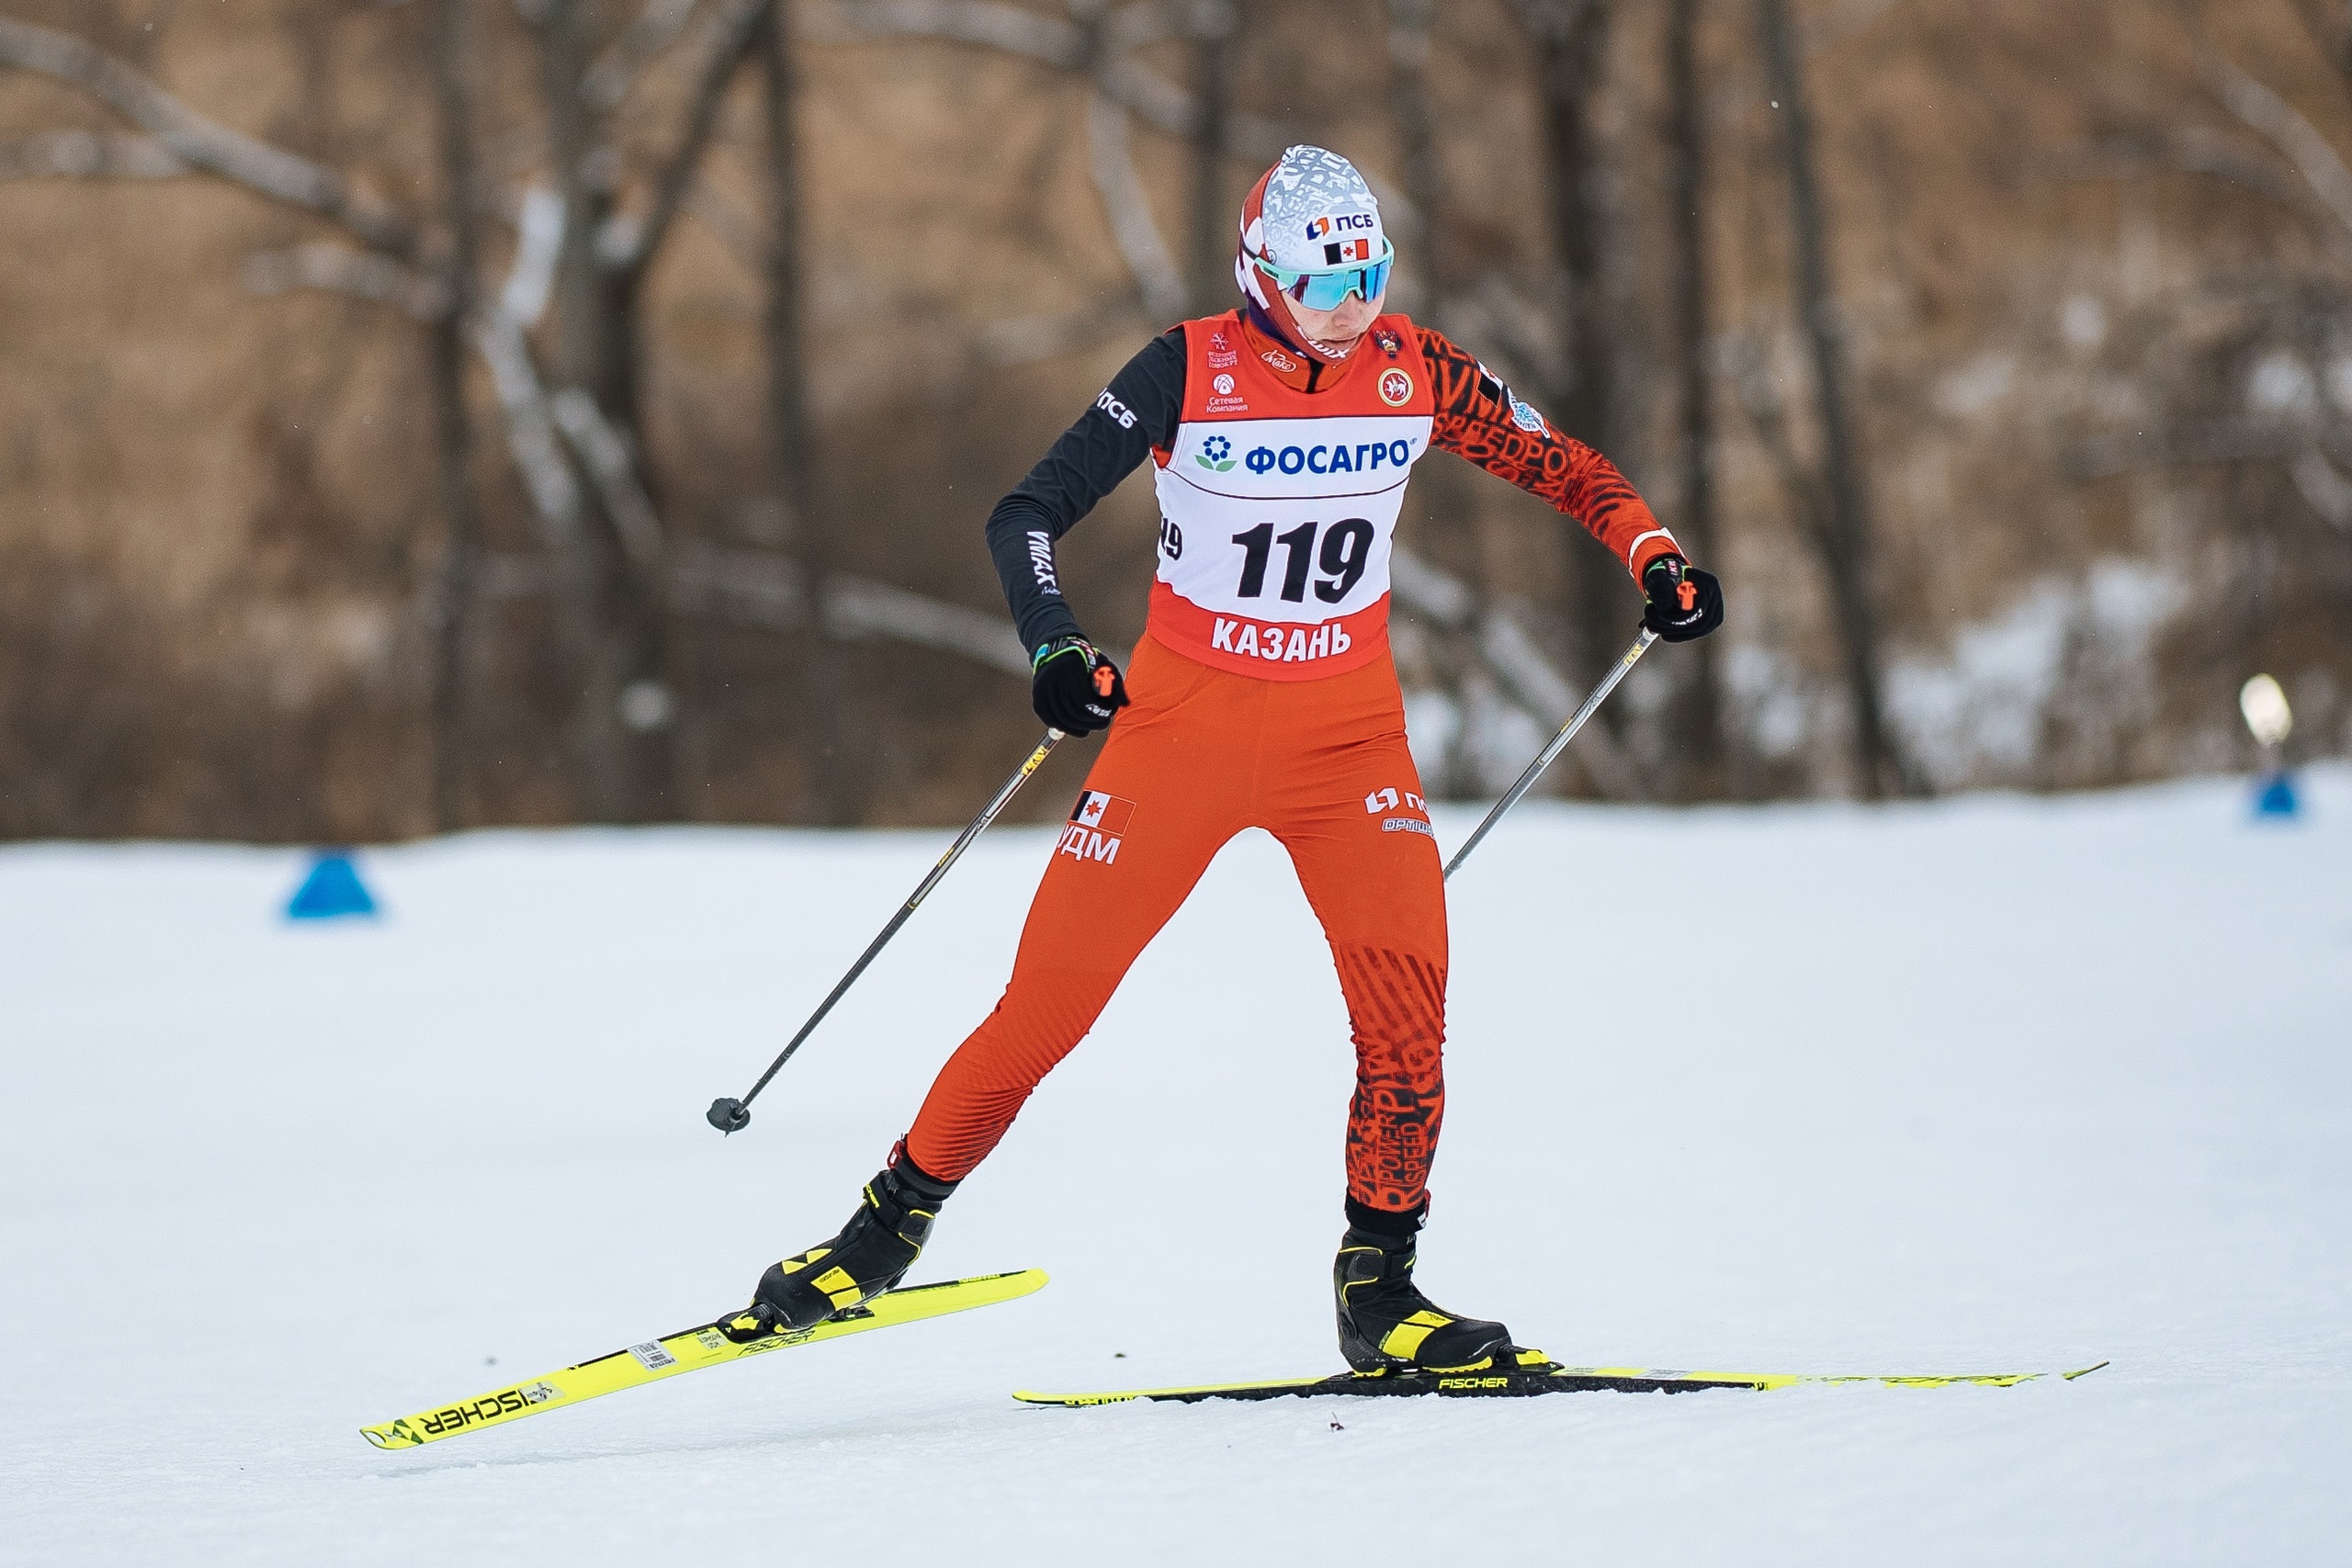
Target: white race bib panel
<point x="1277" y="508"/>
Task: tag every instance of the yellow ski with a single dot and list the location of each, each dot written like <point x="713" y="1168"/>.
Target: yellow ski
<point x="1510" y="1385"/>
<point x="690" y="1350"/>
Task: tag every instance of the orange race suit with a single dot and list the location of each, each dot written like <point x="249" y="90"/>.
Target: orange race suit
<point x="1263" y="695"/>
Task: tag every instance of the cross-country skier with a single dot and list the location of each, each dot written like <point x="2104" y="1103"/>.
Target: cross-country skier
<point x="1262" y="695"/>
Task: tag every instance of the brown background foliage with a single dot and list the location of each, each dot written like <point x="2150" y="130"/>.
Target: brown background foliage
<point x="2085" y="368"/>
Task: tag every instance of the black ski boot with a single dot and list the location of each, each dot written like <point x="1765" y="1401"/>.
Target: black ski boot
<point x="1387" y="1325"/>
<point x="873" y="1253"/>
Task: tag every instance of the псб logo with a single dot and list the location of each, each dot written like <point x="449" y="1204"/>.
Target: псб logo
<point x="1361" y="222"/>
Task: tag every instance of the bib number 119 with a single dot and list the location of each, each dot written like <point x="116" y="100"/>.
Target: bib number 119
<point x="1347" y="550"/>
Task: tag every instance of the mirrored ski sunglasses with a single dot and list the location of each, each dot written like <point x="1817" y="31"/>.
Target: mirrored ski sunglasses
<point x="1325" y="289"/>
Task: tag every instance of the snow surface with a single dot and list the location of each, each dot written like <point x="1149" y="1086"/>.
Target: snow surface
<point x="1991" y="1084"/>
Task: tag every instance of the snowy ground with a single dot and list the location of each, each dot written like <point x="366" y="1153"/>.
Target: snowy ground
<point x="1993" y="1084"/>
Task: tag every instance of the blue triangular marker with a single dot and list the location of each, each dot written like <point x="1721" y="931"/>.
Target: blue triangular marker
<point x="2277" y="797"/>
<point x="331" y="889"/>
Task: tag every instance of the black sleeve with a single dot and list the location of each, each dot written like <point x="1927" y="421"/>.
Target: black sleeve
<point x="1136" y="413"/>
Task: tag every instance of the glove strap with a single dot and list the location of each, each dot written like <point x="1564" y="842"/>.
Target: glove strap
<point x="1683" y="593"/>
<point x="1063" y="645"/>
<point x="1105" y="676"/>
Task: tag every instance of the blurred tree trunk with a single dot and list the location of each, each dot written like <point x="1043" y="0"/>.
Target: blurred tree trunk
<point x="1214" y="22"/>
<point x="1571" y="39"/>
<point x="832" y="773"/>
<point x="1409" y="22"/>
<point x="454" y="38"/>
<point x="623" y="700"/>
<point x="1697" y="716"/>
<point x="1450" y="537"/>
<point x="1843" y="536"/>
<point x="2330" y="22"/>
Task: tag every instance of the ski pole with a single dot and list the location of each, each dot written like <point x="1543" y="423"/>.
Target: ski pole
<point x="1544" y="759"/>
<point x="734" y="1115"/>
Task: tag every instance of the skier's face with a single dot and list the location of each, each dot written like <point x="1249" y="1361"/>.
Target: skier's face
<point x="1336" y="330"/>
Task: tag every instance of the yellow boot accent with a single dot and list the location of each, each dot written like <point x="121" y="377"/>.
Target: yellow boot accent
<point x="1406" y="1337"/>
<point x="839" y="1288"/>
<point x="794" y="1264"/>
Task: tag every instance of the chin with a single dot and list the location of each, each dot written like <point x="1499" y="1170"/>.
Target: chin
<point x="1333" y="348"/>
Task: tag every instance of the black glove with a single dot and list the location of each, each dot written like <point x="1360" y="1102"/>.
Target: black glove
<point x="1074" y="688"/>
<point x="1685" y="602"/>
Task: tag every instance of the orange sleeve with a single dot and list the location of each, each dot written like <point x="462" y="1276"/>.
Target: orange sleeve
<point x="1479" y="419"/>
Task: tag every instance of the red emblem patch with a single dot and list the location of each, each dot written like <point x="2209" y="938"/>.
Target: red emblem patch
<point x="1106" y="814"/>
